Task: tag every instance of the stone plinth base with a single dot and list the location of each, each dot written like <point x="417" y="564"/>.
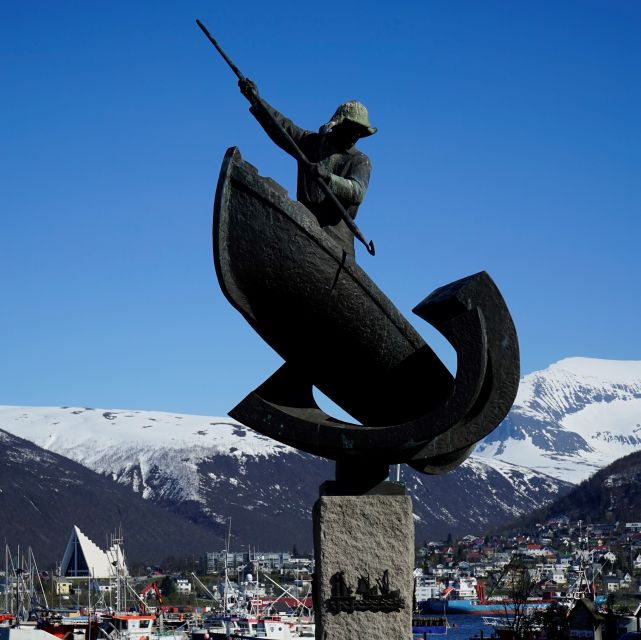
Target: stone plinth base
<point x="370" y="539"/>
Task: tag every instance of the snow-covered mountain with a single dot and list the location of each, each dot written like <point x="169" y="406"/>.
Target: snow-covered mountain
<point x="158" y="454"/>
<point x="571" y="419"/>
<point x="43" y="495"/>
<point x="208" y="469"/>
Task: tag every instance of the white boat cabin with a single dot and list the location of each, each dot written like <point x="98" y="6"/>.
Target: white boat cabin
<point x="137" y="627"/>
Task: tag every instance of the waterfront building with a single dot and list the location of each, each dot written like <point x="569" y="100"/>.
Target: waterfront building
<point x="84" y="558"/>
<point x="215" y="562"/>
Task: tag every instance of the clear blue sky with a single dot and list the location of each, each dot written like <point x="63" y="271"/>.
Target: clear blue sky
<point x="509" y="140"/>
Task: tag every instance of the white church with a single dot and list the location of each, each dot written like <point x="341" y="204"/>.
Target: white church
<point x="84" y="558"/>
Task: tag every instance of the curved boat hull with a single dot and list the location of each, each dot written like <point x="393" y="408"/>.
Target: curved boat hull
<point x="315" y="306"/>
<point x="337" y="331"/>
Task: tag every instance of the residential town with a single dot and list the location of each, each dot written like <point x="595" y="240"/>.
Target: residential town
<point x="555" y="554"/>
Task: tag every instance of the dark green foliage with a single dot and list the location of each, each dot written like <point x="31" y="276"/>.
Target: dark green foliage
<point x="167" y="587"/>
<point x="554" y="621"/>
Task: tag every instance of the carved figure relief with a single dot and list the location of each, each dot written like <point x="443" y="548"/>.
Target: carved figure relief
<point x="367" y="597"/>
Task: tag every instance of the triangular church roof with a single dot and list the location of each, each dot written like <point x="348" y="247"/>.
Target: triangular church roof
<point x="83" y="557"/>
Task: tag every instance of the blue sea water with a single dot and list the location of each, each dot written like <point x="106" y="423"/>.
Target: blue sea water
<point x="464" y="627"/>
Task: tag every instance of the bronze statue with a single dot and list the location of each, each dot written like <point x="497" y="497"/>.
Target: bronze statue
<point x="288" y="268"/>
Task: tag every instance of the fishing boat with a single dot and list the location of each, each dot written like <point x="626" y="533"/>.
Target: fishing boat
<point x="249" y="627"/>
<point x="67" y="625"/>
<point x="6" y="619"/>
<point x="126" y="626"/>
<point x="338" y="332"/>
<point x="132" y="626"/>
<point x="24" y="633"/>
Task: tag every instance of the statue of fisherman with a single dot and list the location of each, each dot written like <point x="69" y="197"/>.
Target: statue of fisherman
<point x="332" y="155"/>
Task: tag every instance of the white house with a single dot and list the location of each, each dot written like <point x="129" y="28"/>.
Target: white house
<point x="183" y="586"/>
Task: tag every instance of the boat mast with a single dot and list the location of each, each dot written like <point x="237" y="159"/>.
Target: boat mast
<point x="117" y="577"/>
<point x="18" y="573"/>
<point x="89" y="581"/>
<point x="116" y="564"/>
<point x="30" y="592"/>
<point x="117" y="542"/>
<point x="6" y="577"/>
<point x="206" y="589"/>
<point x="18" y="597"/>
<point x="36" y="573"/>
<point x="227" y="551"/>
<point x="256" y="581"/>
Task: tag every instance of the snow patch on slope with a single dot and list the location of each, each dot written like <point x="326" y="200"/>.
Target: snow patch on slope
<point x="571" y="419"/>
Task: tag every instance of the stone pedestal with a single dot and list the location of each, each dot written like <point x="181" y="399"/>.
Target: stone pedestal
<point x="370" y="539"/>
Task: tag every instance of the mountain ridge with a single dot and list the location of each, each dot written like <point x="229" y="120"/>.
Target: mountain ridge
<point x="572" y="418"/>
<point x="210" y="469"/>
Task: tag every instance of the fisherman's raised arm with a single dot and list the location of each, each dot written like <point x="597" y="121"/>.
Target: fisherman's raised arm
<point x="266" y="114"/>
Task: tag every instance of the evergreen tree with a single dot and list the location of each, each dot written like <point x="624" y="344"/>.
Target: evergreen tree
<point x="167" y="587"/>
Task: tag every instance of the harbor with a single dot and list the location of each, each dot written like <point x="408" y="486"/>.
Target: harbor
<point x="251" y="594"/>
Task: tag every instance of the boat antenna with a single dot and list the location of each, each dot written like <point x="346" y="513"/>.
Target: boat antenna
<point x="298" y="154"/>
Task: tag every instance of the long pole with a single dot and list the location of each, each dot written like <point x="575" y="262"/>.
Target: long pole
<point x="298" y="154"/>
<point x="18" y="573"/>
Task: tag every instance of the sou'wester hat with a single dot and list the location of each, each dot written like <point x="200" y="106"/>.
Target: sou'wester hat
<point x="355" y="112"/>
